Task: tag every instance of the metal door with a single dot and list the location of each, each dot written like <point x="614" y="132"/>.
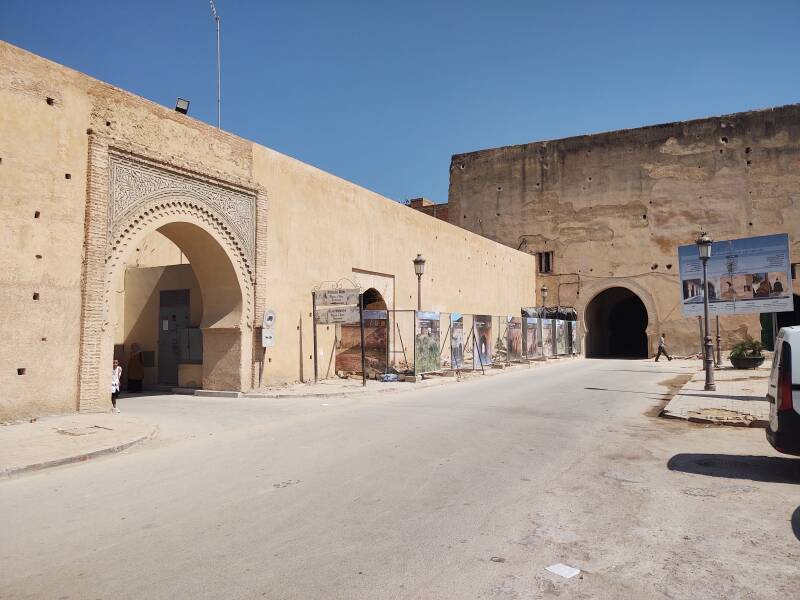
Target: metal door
<point x="173" y="320"/>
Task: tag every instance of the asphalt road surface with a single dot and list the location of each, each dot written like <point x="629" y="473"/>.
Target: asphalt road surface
<point x="461" y="491"/>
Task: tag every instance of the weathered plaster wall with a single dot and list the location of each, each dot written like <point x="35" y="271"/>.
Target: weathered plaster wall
<point x="42" y="193"/>
<point x="615" y="206"/>
<point x="309" y="227"/>
<point x="323" y="228"/>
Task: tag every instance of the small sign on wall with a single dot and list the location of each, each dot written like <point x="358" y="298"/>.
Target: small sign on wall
<point x="268" y="329"/>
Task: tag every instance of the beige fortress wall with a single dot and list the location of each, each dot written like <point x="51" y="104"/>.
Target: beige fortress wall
<point x="322" y="228"/>
<point x="308" y="227"/>
<point x="42" y="195"/>
<point x="615" y="206"/>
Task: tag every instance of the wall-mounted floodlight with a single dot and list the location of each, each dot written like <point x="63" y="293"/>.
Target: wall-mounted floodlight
<point x="182" y="106"/>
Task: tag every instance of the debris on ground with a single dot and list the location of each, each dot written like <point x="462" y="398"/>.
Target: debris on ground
<point x="563" y="570"/>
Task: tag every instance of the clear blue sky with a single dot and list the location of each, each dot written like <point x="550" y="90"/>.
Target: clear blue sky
<point x="383" y="93"/>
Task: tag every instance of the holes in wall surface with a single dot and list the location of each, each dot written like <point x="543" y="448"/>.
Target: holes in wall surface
<point x="748" y="150"/>
<point x="644" y="216"/>
<point x="669" y="266"/>
<point x="38" y="256"/>
<point x="89" y="131"/>
<point x="21" y="371"/>
<point x="35" y="295"/>
<point x="750" y="224"/>
<point x="50" y="101"/>
<point x="724" y="140"/>
<point x="44" y="339"/>
<point x="499" y="188"/>
<point x="67" y="176"/>
<point x="36" y="214"/>
<point x="108" y="123"/>
<point x="749" y="162"/>
<point x="720" y="150"/>
<point x="654" y="266"/>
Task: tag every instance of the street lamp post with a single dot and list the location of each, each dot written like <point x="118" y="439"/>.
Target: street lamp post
<point x="543" y="290"/>
<point x="419" y="269"/>
<point x="219" y="97"/>
<point x="704" y="250"/>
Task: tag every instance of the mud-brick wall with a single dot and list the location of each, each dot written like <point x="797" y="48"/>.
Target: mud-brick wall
<point x="613" y="207"/>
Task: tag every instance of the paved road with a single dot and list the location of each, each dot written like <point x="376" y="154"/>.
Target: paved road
<point x="411" y="495"/>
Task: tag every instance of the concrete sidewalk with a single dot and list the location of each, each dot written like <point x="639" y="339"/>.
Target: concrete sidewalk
<point x="739" y="399"/>
<point x="59" y="440"/>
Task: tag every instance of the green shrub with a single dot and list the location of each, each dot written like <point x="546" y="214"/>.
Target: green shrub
<point x="747" y="349"/>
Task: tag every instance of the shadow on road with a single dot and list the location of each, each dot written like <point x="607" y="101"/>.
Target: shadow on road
<point x="727" y="397"/>
<point x="597" y="389"/>
<point x="773" y="469"/>
<point x="796" y="522"/>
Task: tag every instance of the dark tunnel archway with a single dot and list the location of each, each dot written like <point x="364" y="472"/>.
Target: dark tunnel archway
<point x="616" y="321"/>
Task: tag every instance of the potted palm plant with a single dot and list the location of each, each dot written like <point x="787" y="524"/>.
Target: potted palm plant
<point x="747" y="355"/>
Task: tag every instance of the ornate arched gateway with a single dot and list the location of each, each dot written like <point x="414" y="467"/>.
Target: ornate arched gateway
<point x="212" y="221"/>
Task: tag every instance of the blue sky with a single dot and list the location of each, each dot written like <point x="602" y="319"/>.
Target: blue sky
<point x="383" y="93"/>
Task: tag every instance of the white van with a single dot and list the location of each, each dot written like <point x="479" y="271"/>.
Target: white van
<point x="783" y="393"/>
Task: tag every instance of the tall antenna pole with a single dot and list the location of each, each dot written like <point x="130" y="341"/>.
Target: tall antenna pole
<point x="219" y="108"/>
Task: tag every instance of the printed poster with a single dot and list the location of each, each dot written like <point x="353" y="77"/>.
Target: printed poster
<point x="547" y="336"/>
<point x="561" y="336"/>
<point x="514" y="343"/>
<point x="456" y="341"/>
<point x="483" y="340"/>
<point x="748" y="275"/>
<point x="426" y="343"/>
<point x="533" y="346"/>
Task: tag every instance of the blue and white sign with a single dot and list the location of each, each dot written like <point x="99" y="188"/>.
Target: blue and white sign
<point x="750" y="275"/>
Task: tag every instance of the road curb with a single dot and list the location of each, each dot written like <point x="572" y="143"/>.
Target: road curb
<point x="12" y="472"/>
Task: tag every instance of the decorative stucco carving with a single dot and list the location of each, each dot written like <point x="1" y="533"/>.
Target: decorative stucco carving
<point x="135" y="184"/>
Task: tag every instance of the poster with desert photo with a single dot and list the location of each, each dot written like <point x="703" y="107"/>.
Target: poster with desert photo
<point x="482" y="333"/>
<point x="533" y="346"/>
<point x="514" y="338"/>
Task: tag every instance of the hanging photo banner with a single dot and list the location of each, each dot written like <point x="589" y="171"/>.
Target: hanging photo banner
<point x="426" y="343"/>
<point x="533" y="346"/>
<point x="514" y="343"/>
<point x="344" y="314"/>
<point x="376" y="341"/>
<point x="456" y="341"/>
<point x="573" y="337"/>
<point x="749" y="275"/>
<point x="547" y="336"/>
<point x="483" y="340"/>
<point x="561" y="337"/>
<point x="336" y="297"/>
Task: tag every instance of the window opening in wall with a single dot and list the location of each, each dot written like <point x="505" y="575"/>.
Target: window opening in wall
<point x="545" y="262"/>
<point x="794" y="270"/>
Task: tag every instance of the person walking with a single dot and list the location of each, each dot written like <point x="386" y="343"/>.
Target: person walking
<point x="662" y="348"/>
<point x="116" y="375"/>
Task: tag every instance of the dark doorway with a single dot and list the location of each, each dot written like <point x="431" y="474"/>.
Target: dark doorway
<point x="616" y="320"/>
<point x="173" y="321"/>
